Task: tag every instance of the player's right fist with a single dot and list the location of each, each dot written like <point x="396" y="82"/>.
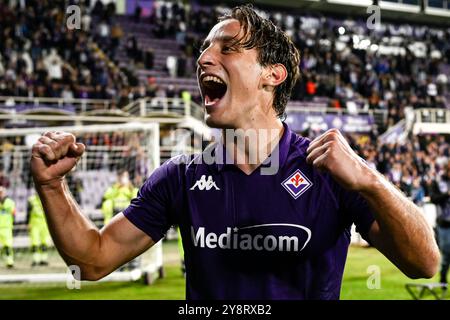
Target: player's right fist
<point x="53" y="155"/>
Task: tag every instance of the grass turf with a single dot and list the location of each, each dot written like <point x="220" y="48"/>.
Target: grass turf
<point x="392" y="284"/>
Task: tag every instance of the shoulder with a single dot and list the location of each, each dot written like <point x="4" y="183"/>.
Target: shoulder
<point x="298" y="145"/>
<point x="175" y="166"/>
<point x="183" y="163"/>
<point x="168" y="180"/>
<point x="173" y="170"/>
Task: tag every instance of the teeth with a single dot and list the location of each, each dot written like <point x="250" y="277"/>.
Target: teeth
<point x="212" y="78"/>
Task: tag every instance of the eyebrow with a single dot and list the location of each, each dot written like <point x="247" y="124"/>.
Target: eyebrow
<point x="223" y="39"/>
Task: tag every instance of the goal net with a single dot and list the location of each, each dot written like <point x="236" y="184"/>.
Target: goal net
<point x="110" y="149"/>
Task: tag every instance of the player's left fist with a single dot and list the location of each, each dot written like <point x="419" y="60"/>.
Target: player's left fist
<point x="330" y="152"/>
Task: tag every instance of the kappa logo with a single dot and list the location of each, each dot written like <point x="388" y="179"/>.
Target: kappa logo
<point x="296" y="184"/>
<point x="204" y="184"/>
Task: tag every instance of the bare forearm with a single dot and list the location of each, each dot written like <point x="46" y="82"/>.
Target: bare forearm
<point x="77" y="239"/>
<point x="75" y="236"/>
<point x="401" y="233"/>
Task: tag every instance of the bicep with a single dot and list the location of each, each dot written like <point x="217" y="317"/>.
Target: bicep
<point x="120" y="242"/>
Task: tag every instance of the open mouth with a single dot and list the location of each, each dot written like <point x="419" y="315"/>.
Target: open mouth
<point x="214" y="89"/>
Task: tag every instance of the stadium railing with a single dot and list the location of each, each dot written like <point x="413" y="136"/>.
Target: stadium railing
<point x="148" y="107"/>
<point x="319" y="109"/>
<point x="77" y="106"/>
<point x="159" y="106"/>
<point x="144" y="107"/>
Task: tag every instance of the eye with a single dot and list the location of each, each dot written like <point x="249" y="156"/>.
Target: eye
<point x="226" y="49"/>
<point x="232" y="47"/>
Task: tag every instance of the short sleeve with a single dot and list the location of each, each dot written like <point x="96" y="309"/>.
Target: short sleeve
<point x="356" y="210"/>
<point x="152" y="209"/>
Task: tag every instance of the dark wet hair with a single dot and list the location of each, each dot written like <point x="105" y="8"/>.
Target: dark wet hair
<point x="273" y="46"/>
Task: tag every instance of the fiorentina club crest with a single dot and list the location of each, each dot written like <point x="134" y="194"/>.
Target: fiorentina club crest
<point x="297" y="184"/>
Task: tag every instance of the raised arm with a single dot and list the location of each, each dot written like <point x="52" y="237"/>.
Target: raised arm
<point x="78" y="240"/>
<point x="400" y="231"/>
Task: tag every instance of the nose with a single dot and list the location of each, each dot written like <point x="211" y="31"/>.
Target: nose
<point x="207" y="58"/>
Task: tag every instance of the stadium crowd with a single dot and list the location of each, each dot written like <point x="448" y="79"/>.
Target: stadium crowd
<point x="41" y="57"/>
<point x="342" y="60"/>
<point x="390" y="68"/>
<point x="411" y="166"/>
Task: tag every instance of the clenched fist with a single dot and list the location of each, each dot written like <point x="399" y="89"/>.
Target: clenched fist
<point x="330" y="152"/>
<point x="53" y="155"/>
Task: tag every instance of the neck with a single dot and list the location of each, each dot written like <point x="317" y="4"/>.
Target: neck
<point x="250" y="145"/>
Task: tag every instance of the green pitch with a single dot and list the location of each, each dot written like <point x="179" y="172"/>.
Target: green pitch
<point x="355" y="285"/>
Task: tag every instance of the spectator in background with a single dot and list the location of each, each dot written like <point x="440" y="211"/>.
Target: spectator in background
<point x="149" y="59"/>
<point x="137" y="13"/>
<point x="440" y="195"/>
<point x="124" y="98"/>
<point x="139" y="92"/>
<point x="186" y="97"/>
<point x="396" y="173"/>
<point x="53" y="64"/>
<point x="98" y="8"/>
<point x="171" y="65"/>
<point x="6" y="149"/>
<point x="152" y="87"/>
<point x="86" y="22"/>
<point x="4" y="181"/>
<point x="116" y="36"/>
<point x="118" y="196"/>
<point x="311" y="88"/>
<point x="38" y="231"/>
<point x="8" y="211"/>
<point x="417" y="192"/>
<point x="132" y="48"/>
<point x="103" y="31"/>
<point x="172" y="91"/>
<point x="25" y="62"/>
<point x="181" y="66"/>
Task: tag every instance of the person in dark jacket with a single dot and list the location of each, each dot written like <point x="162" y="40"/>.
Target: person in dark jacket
<point x="440" y="196"/>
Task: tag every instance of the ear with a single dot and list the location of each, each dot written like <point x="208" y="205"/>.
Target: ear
<point x="273" y="75"/>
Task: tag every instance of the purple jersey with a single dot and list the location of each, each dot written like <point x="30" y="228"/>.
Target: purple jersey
<point x="282" y="236"/>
